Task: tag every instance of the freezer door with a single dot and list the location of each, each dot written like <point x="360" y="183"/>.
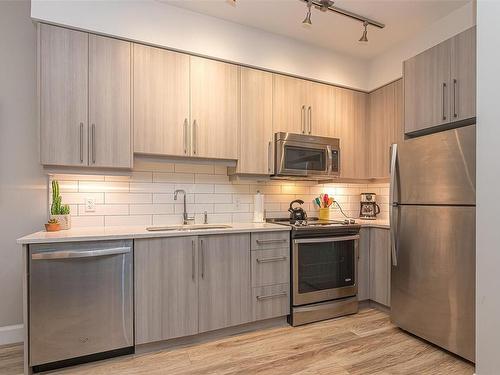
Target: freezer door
<point x="438" y="168"/>
<point x="433" y="284"/>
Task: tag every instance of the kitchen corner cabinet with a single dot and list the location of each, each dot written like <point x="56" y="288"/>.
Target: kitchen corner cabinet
<point x="161" y="101"/>
<point x="84" y="75"/>
<point x="255" y="137"/>
<point x="440" y="83"/>
<point x="215" y="98"/>
<point x="380" y="266"/>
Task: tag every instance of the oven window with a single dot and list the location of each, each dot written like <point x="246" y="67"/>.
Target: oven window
<point x="327" y="265"/>
<point x="301" y="158"/>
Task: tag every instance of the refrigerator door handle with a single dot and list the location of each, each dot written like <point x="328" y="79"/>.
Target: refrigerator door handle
<point x="393" y="205"/>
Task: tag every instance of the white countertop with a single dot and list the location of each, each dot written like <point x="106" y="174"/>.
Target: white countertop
<point x="377" y="223"/>
<point x="114" y="233"/>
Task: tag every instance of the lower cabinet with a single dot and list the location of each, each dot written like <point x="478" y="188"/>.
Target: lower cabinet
<point x="193" y="284"/>
<point x="380" y="266"/>
<point x="364" y="265"/>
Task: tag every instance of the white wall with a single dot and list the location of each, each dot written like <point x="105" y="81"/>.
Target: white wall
<point x="22" y="185"/>
<point x="389" y="65"/>
<point x="156" y="23"/>
<point x="488" y="178"/>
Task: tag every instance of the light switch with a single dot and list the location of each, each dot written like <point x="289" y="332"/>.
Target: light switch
<point x="89" y="205"/>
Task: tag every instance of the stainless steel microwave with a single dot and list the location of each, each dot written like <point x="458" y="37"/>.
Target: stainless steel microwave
<point x="299" y="155"/>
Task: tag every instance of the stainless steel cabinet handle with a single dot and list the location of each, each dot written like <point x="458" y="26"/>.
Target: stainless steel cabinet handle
<point x="303" y="119"/>
<point x="310" y="119"/>
<point x="444" y="90"/>
<point x="195" y="134"/>
<point x="282" y="294"/>
<point x="93" y="143"/>
<point x="393" y="204"/>
<point x="185" y="136"/>
<point x="269" y="260"/>
<point x="81" y="142"/>
<point x="79" y="254"/>
<point x="202" y="259"/>
<point x="455" y="114"/>
<point x="193" y="256"/>
<point x="269" y="156"/>
<point x="262" y="242"/>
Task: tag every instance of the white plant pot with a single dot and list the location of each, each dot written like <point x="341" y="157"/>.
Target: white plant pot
<point x="64" y="220"/>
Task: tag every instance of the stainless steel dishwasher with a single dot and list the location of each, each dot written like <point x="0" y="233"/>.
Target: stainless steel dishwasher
<point x="80" y="302"/>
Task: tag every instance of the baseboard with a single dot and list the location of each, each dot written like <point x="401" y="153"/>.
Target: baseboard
<point x="11" y="334"/>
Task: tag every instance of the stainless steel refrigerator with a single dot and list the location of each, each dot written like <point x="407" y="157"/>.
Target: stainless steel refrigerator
<point x="432" y="213"/>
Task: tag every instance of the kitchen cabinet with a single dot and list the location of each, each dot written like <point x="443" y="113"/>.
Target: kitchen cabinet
<point x="364" y="265"/>
<point x="380" y="266"/>
<point x="383" y="128"/>
<point x="225" y="286"/>
<point x="85" y="109"/>
<point x="166" y="288"/>
<point x="256" y="124"/>
<point x="215" y="93"/>
<point x="350" y="128"/>
<point x="320" y="111"/>
<point x="110" y="102"/>
<point x="63" y="76"/>
<point x="440" y="83"/>
<point x="161" y="101"/>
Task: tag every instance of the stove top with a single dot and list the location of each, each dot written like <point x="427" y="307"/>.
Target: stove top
<point x="314" y="227"/>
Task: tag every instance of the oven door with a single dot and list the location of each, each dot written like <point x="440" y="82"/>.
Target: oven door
<point x="324" y="269"/>
<point x="303" y="159"/>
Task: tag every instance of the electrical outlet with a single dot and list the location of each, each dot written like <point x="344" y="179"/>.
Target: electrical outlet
<point x="237" y="203"/>
<point x="89" y="205"/>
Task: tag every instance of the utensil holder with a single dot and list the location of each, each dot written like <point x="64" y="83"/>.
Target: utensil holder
<point x="324" y="214"/>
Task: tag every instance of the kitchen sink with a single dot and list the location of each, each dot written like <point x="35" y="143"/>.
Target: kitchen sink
<point x="188" y="227"/>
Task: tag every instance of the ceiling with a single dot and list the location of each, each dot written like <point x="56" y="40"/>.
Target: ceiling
<point x="403" y="19"/>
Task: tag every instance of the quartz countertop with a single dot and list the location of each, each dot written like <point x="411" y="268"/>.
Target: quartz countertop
<point x="377" y="223"/>
<point x="114" y="233"/>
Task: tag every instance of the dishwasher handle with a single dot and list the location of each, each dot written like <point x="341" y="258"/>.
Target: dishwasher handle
<point x="80" y="254"/>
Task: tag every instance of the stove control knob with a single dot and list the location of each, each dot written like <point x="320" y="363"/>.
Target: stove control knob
<point x="352" y="221"/>
<point x="346" y="221"/>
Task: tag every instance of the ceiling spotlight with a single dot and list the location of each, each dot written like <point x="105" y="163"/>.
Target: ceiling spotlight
<point x="307" y="21"/>
<point x="364" y="37"/>
<point x="325" y="4"/>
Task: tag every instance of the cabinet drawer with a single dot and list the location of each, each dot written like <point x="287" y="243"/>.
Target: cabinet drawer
<point x="270" y="267"/>
<point x="271" y="301"/>
<point x="270" y="240"/>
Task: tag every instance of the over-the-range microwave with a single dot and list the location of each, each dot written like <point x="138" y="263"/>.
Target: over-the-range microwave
<point x="306" y="156"/>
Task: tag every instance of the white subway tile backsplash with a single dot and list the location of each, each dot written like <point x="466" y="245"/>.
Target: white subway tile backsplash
<point x="145" y="196"/>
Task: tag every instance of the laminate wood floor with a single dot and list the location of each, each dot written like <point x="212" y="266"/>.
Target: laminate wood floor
<point x="365" y="343"/>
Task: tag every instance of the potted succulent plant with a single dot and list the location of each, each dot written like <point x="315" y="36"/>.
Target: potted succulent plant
<point x="52" y="226"/>
<point x="59" y="211"/>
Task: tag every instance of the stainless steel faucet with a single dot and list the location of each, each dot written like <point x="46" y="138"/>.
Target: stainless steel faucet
<point x="186" y="218"/>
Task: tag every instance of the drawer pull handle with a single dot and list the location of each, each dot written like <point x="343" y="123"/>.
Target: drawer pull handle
<point x="268" y="260"/>
<point x="262" y="242"/>
<point x="282" y="294"/>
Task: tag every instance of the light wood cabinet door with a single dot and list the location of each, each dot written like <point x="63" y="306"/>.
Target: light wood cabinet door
<point x="166" y="288"/>
<point x="256" y="127"/>
<point x="215" y="97"/>
<point x="350" y="128"/>
<point x="380" y="266"/>
<point x="426" y="88"/>
<point x="321" y="109"/>
<point x="161" y="101"/>
<point x="463" y="75"/>
<point x="225" y="287"/>
<point x="63" y="76"/>
<point x="110" y="102"/>
<point x="289" y="104"/>
<point x="364" y="265"/>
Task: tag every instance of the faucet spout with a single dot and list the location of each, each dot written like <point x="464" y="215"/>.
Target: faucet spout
<point x="185" y="216"/>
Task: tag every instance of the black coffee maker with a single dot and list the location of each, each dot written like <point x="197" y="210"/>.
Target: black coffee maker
<point x="297" y="213"/>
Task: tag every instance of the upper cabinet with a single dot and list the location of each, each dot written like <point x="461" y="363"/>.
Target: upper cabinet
<point x="63" y="76"/>
<point x="215" y="93"/>
<point x="256" y="124"/>
<point x="440" y="84"/>
<point x="161" y="101"/>
<point x="85" y="102"/>
<point x="320" y="111"/>
<point x="383" y="128"/>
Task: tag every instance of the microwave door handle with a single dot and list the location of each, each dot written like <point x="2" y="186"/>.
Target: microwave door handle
<point x="330" y="159"/>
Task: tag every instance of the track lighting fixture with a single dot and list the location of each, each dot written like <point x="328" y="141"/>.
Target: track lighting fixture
<point x="325" y="4"/>
<point x="364" y="37"/>
<point x="307" y="21"/>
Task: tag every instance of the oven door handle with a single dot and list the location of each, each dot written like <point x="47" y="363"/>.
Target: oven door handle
<point x="326" y="239"/>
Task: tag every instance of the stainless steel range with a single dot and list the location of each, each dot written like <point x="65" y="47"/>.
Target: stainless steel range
<point x="323" y="268"/>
